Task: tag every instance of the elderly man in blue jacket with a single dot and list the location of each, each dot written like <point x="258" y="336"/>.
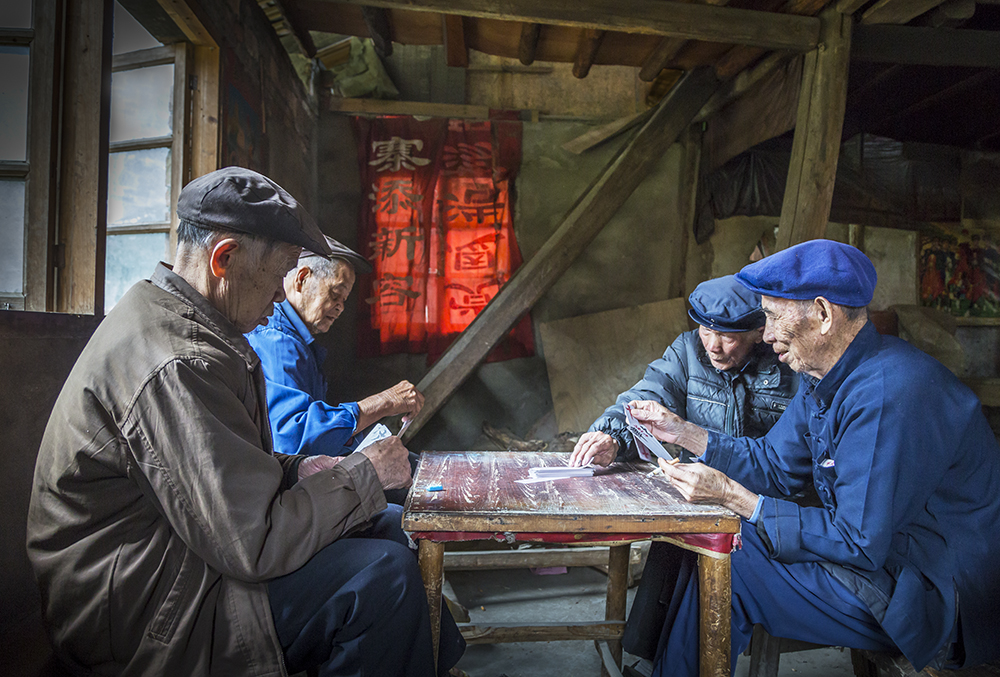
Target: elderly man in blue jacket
<point x="904" y="551"/>
<point x="302" y="422"/>
<point x="721" y="376"/>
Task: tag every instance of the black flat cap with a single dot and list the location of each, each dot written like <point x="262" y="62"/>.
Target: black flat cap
<point x="341" y="251"/>
<point x="241" y="200"/>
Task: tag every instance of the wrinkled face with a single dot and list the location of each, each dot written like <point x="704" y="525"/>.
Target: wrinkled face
<point x="256" y="285"/>
<point x="323" y="298"/>
<point x="728" y="350"/>
<point x="794" y="333"/>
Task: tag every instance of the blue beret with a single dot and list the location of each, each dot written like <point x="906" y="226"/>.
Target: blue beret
<point x="838" y="272"/>
<point x="723" y="304"/>
<point x="240" y="200"/>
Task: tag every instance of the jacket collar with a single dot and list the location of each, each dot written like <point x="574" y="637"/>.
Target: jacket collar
<point x="166" y="279"/>
<point x="860" y="349"/>
<point x="285" y="314"/>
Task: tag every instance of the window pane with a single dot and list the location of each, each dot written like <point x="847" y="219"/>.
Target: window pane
<point x="139" y="187"/>
<point x="15" y="14"/>
<point x="131" y="258"/>
<point x="130" y="36"/>
<point x="142" y="103"/>
<point x="13" y="103"/>
<point x="12" y="236"/>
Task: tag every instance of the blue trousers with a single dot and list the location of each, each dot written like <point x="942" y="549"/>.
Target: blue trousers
<point x="798" y="601"/>
<point x="358" y="607"/>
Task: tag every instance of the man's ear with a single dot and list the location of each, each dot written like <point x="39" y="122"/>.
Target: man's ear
<point x="223" y="257"/>
<point x="758" y="334"/>
<point x="301" y="275"/>
<point x="824" y="313"/>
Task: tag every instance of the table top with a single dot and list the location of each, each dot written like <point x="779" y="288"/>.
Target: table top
<point x="481" y="495"/>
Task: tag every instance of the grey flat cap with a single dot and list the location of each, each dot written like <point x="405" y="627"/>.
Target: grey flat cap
<point x="341" y="251"/>
<point x="242" y="201"/>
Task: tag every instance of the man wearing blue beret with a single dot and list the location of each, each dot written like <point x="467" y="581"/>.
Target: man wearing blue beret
<point x="904" y="552"/>
<point x="722" y="377"/>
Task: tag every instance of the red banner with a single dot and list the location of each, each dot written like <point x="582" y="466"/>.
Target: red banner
<point x="437" y="224"/>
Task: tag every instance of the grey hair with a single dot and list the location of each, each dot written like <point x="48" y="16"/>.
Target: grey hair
<point x="205" y="238"/>
<point x="322" y="267"/>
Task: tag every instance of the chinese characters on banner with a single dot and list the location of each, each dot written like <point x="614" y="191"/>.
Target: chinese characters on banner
<point x="437" y="224"/>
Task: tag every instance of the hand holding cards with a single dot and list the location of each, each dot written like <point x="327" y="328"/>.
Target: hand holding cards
<point x="649" y="447"/>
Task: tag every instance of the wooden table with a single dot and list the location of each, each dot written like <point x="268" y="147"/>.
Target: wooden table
<point x="623" y="503"/>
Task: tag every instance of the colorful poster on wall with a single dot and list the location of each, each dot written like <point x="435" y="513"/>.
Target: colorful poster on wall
<point x="960" y="270"/>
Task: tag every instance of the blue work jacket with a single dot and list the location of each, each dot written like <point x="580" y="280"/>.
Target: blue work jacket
<point x="301" y="422"/>
<point x="737" y="402"/>
<point x="908" y="471"/>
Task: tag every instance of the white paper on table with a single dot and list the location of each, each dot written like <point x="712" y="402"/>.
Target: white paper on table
<point x="548" y="473"/>
<point x="647" y="445"/>
<point x="379" y="432"/>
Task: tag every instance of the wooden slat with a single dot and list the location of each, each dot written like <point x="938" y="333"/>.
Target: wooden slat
<point x="850" y="6"/>
<point x="83" y="194"/>
<point x="815" y="147"/>
<point x="153" y="56"/>
<point x="584" y="221"/>
<point x="666" y="50"/>
<point x="499" y="633"/>
<point x="741" y="84"/>
<point x="39" y="270"/>
<point x="187" y="21"/>
<point x="204" y="112"/>
<point x="926" y="46"/>
<point x="141" y="144"/>
<point x="525" y="559"/>
<point x="300" y="31"/>
<point x="528" y="43"/>
<point x="693" y="21"/>
<point x="16" y="36"/>
<point x="609" y="667"/>
<point x="383" y="107"/>
<point x="897" y="11"/>
<point x="586" y="51"/>
<point x="453" y="28"/>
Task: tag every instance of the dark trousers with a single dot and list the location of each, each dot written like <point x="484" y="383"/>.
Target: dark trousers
<point x="358" y="607"/>
<point x="799" y="601"/>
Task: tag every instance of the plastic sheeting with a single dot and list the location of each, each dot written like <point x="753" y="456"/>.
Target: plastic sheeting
<point x="880" y="182"/>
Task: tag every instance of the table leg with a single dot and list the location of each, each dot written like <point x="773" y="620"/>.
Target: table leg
<point x="715" y="599"/>
<point x="617" y="595"/>
<point x="431" y="557"/>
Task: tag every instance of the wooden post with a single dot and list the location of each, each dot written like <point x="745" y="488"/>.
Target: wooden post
<point x="581" y="225"/>
<point x="83" y="168"/>
<point x="714" y="599"/>
<point x="816" y="145"/>
<point x="431" y="558"/>
<point x="617" y="596"/>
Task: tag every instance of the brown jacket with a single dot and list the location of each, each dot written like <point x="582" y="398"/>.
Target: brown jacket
<point x="159" y="511"/>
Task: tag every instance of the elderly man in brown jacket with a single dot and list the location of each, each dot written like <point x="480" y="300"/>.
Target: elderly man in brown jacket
<point x="165" y="535"/>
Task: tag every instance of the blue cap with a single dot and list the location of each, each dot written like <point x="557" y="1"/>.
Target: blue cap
<point x="838" y="272"/>
<point x="723" y="304"/>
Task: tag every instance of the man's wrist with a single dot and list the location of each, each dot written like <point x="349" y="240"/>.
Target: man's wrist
<point x="693" y="438"/>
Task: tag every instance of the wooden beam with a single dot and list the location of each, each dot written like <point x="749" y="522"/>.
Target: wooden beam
<point x="453" y="31"/>
<point x="666" y="50"/>
<point x="741" y="84"/>
<point x="188" y="22"/>
<point x="379" y="28"/>
<point x="599" y="135"/>
<point x="204" y="112"/>
<point x="154" y="56"/>
<point x="300" y="31"/>
<point x="474" y="560"/>
<point x="926" y="46"/>
<point x="582" y="223"/>
<point x="529" y="43"/>
<point x="816" y="145"/>
<point x="850" y="6"/>
<point x="897" y="11"/>
<point x="693" y="21"/>
<point x="385" y="107"/>
<point x="498" y="633"/>
<point x="586" y="50"/>
<point x="83" y="163"/>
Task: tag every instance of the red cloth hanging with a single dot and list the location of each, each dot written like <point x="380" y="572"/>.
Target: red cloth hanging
<point x="437" y="224"/>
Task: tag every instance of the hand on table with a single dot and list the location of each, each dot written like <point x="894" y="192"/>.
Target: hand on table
<point x="313" y="464"/>
<point x="699" y="483"/>
<point x="392" y="462"/>
<point x="594" y="447"/>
